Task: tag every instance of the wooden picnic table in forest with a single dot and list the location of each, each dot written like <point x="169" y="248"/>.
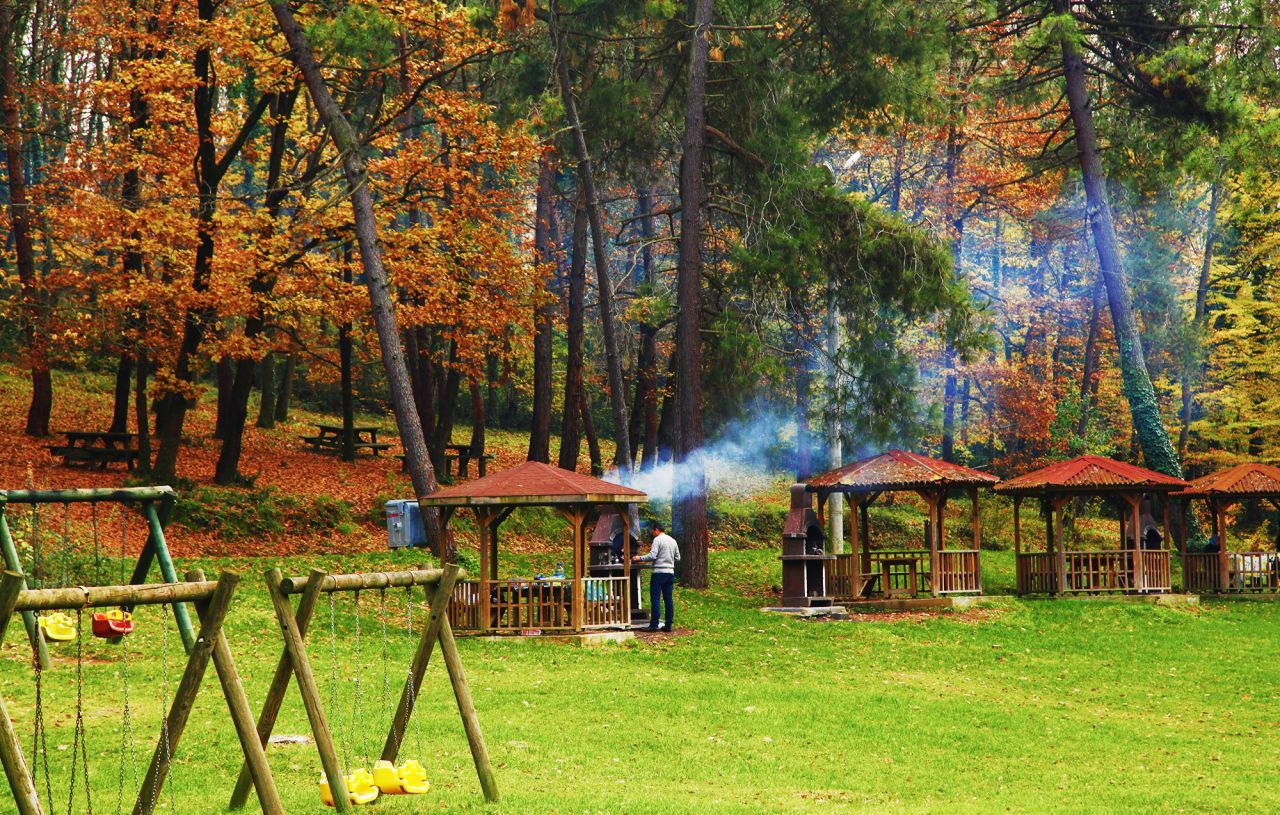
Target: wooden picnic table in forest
<point x="97" y="448"/>
<point x="463" y="455"/>
<point x="329" y="438"/>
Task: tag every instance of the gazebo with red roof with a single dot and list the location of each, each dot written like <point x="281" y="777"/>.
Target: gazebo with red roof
<point x="935" y="569"/>
<point x="1225" y="569"/>
<point x="1131" y="567"/>
<point x="514" y="605"/>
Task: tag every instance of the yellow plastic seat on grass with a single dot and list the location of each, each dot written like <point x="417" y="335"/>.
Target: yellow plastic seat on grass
<point x="58" y="627"/>
<point x="360" y="788"/>
<point x="407" y="779"/>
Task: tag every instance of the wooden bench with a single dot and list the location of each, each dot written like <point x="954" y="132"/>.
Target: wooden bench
<point x="329" y="439"/>
<point x="96" y="449"/>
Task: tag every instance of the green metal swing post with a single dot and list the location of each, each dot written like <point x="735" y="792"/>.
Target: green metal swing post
<point x="11" y="563"/>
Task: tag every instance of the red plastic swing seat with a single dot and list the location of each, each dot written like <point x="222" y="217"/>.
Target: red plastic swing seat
<point x="112" y="625"/>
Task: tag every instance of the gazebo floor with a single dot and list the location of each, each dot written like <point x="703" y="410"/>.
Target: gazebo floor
<point x="583" y="638"/>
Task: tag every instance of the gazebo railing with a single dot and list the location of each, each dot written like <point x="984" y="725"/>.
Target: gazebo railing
<point x="899" y="575"/>
<point x="606" y="602"/>
<point x="1094" y="572"/>
<point x="1246" y="571"/>
<point x="959" y="571"/>
<point x="464" y="605"/>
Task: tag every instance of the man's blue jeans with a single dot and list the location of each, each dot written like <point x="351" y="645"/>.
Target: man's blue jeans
<point x="661" y="586"/>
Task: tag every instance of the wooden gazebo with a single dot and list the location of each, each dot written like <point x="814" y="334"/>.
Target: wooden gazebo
<point x="574" y="603"/>
<point x="1130" y="568"/>
<point x="863" y="573"/>
<point x="1227" y="569"/>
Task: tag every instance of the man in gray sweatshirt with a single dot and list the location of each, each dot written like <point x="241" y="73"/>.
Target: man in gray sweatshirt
<point x="664" y="554"/>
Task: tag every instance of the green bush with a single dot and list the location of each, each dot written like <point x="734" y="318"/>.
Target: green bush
<point x="232" y="513"/>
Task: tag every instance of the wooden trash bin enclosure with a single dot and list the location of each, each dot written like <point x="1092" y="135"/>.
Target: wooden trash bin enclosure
<point x="1225" y="569"/>
<point x="580" y="600"/>
<point x="1134" y="567"/>
<point x="865" y="573"/>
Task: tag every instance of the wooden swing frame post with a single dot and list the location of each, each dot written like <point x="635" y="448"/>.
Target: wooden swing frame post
<point x="296" y="661"/>
<point x="155" y="548"/>
<point x="212" y="600"/>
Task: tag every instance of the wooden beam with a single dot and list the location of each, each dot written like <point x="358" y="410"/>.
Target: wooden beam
<point x="15" y="765"/>
<point x="298" y="658"/>
<point x="157" y="545"/>
<point x="467" y="710"/>
<point x="1060" y="564"/>
<point x="255" y="755"/>
<point x="437" y="617"/>
<point x="279" y="685"/>
<point x="362" y="581"/>
<point x="1017" y="525"/>
<point x="13" y="564"/>
<point x="931" y="501"/>
<point x="1224" y="563"/>
<point x="576" y="587"/>
<point x="105" y="494"/>
<point x="482" y="527"/>
<point x="147" y="594"/>
<point x="184" y="698"/>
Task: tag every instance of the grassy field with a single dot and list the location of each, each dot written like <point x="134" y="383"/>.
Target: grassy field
<point x="1019" y="706"/>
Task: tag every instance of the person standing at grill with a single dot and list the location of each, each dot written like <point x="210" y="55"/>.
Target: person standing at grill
<point x="664" y="554"/>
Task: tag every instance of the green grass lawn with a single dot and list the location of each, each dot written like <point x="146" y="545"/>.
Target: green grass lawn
<point x="1022" y="706"/>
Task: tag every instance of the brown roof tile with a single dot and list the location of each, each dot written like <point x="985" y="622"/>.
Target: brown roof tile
<point x="534" y="483"/>
<point x="1243" y="480"/>
<point x="900" y="470"/>
<point x="1090" y="474"/>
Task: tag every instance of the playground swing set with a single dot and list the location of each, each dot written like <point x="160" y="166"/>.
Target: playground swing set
<point x="54" y="615"/>
<point x="341" y="785"/>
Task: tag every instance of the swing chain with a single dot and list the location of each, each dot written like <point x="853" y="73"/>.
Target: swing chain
<point x="386" y="656"/>
<point x="97" y="553"/>
<point x="333" y="686"/>
<point x="39" y="738"/>
<point x="359" y="660"/>
<point x="78" y="741"/>
<point x="126" y="731"/>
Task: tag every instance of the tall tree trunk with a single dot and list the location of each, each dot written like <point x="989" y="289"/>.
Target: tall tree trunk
<point x="120" y="403"/>
<point x="224" y="377"/>
<point x="1157" y="449"/>
<point x="382" y="305"/>
<point x="20" y="219"/>
<point x="689" y="504"/>
<point x="479" y="418"/>
<point x="141" y="406"/>
<point x="804" y="391"/>
<point x="284" y="394"/>
<point x="543" y="315"/>
<point x="593" y="441"/>
<point x="1090" y="357"/>
<point x="644" y="413"/>
<point x="450" y="381"/>
<point x="263" y="282"/>
<point x="570" y="436"/>
<point x="665" y="449"/>
<point x="1191" y="370"/>
<point x="267" y="389"/>
<point x="586" y="182"/>
<point x="345" y="349"/>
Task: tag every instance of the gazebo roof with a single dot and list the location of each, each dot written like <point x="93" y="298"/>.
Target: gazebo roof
<point x="1090" y="474"/>
<point x="1251" y="480"/>
<point x="533" y="483"/>
<point x="899" y="470"/>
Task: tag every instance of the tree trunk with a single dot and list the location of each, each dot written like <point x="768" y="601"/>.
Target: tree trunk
<point x="689" y="504"/>
<point x="345" y="348"/>
<point x="586" y="182"/>
<point x="479" y="413"/>
<point x="284" y="394"/>
<point x="644" y="413"/>
<point x="570" y="437"/>
<point x="20" y="210"/>
<point x="267" y="389"/>
<point x="381" y="303"/>
<point x="224" y="375"/>
<point x="804" y="389"/>
<point x="1191" y="370"/>
<point x="1090" y="358"/>
<point x="120" y="404"/>
<point x="1158" y="451"/>
<point x="141" y="418"/>
<point x="446" y="405"/>
<point x="593" y="441"/>
<point x="543" y="315"/>
<point x="665" y="449"/>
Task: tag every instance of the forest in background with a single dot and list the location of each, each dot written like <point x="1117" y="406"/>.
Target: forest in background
<point x="1000" y="233"/>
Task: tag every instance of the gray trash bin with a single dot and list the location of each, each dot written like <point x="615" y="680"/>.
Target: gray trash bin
<point x="404" y="524"/>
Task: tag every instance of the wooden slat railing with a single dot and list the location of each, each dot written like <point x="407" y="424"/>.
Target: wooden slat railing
<point x="1157" y="573"/>
<point x="464" y="606"/>
<point x="1253" y="571"/>
<point x="514" y="605"/>
<point x="899" y="575"/>
<point x="1036" y="573"/>
<point x="606" y="602"/>
<point x="1097" y="572"/>
<point x="959" y="571"/>
<point x="1201" y="571"/>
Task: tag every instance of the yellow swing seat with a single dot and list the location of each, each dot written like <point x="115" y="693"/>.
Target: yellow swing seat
<point x="407" y="779"/>
<point x="58" y="627"/>
<point x="360" y="788"/>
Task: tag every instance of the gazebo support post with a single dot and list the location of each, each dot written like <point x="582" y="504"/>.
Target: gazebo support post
<point x="934" y="502"/>
<point x="977" y="536"/>
<point x="577" y="518"/>
<point x="866" y="534"/>
<point x="1135" y="518"/>
<point x="1060" y="562"/>
<point x="1182" y="545"/>
<point x="482" y="529"/>
<point x="855" y="545"/>
<point x="1017" y="525"/>
<point x="1219" y="510"/>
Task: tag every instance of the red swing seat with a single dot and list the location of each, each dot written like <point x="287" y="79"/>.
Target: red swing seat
<point x="112" y="625"/>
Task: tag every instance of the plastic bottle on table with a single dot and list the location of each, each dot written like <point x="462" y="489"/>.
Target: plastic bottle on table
<point x="559" y="572"/>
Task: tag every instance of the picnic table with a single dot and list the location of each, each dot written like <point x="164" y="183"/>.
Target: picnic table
<point x="329" y="438"/>
<point x="461" y="453"/>
<point x="97" y="448"/>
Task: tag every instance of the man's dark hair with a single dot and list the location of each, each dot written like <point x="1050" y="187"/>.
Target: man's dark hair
<point x="657" y="526"/>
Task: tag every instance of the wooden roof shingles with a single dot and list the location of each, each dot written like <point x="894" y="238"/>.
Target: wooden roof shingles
<point x="534" y="483"/>
<point x="1090" y="474"/>
<point x="1251" y="480"/>
<point x="899" y="470"/>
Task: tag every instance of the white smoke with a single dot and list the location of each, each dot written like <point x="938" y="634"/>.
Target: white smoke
<point x="745" y="459"/>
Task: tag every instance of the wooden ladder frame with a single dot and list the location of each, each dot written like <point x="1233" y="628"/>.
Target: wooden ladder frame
<point x="295" y="662"/>
<point x="154" y="503"/>
<point x="212" y="600"/>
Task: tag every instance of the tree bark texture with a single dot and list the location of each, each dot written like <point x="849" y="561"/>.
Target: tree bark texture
<point x="689" y="511"/>
<point x="1090" y="357"/>
<point x="544" y="314"/>
<point x="267" y="388"/>
<point x="570" y="417"/>
<point x="123" y="390"/>
<point x="1191" y="372"/>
